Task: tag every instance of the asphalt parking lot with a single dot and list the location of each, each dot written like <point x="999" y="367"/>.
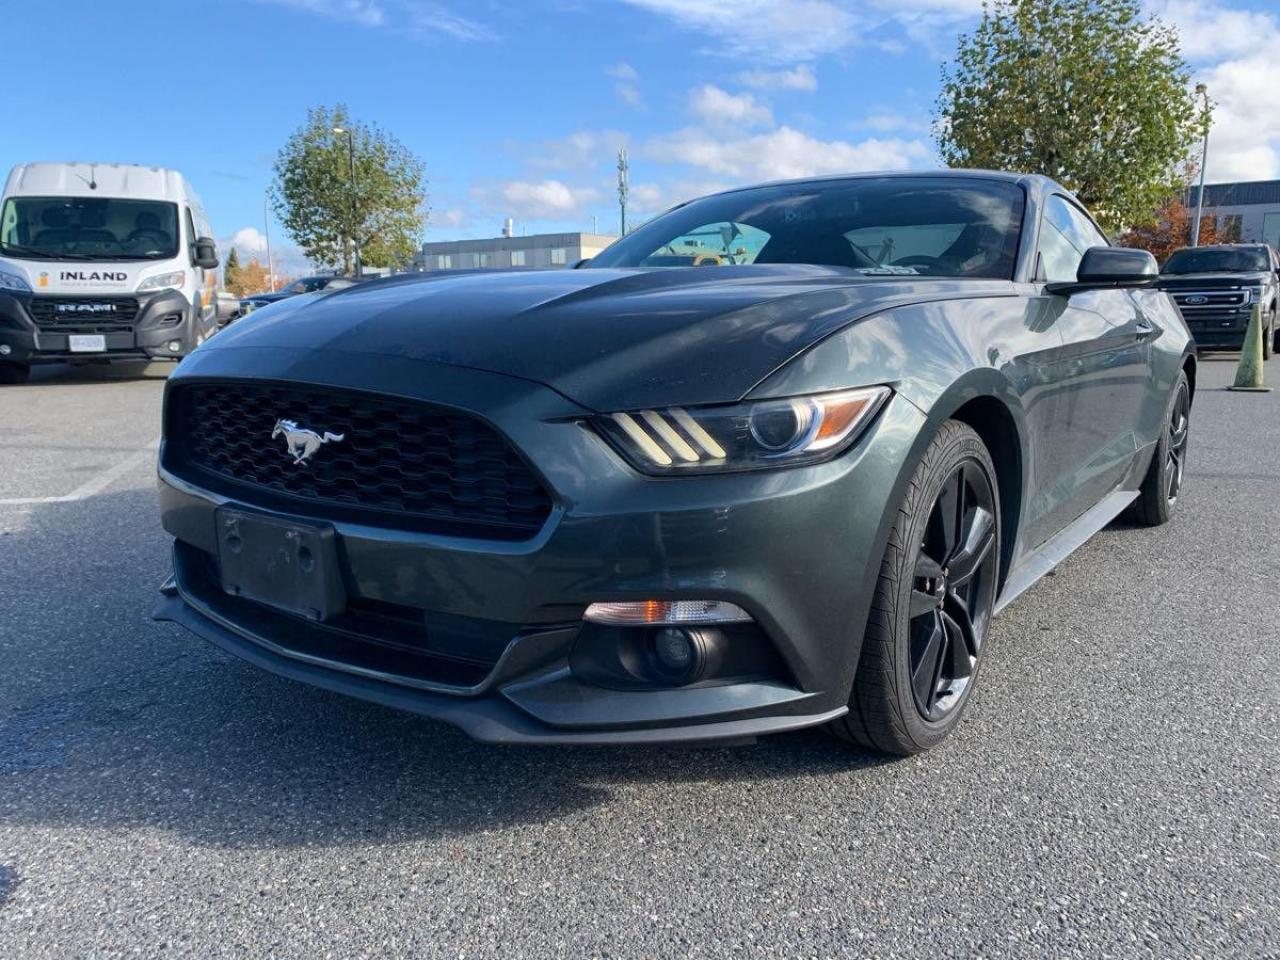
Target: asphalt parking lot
<point x="1114" y="791"/>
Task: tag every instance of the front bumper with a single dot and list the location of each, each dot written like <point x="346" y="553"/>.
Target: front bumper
<point x="161" y="319"/>
<point x="798" y="549"/>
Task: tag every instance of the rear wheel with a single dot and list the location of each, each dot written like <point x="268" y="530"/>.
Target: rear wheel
<point x="14" y="372"/>
<point x="1162" y="485"/>
<point x="933" y="603"/>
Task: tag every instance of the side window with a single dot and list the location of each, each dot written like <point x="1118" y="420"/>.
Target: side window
<point x="191" y="235"/>
<point x="1065" y="234"/>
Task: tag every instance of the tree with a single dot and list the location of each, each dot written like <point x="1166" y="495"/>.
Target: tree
<point x="1169" y="229"/>
<point x="313" y="195"/>
<point x="231" y="271"/>
<point x="250" y="278"/>
<point x="1088" y="92"/>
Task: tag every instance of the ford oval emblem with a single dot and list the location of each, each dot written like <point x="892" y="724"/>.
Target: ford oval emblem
<point x="1196" y="300"/>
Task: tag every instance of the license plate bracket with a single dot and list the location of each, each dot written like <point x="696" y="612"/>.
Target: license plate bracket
<point x="283" y="563"/>
<point x="86" y="343"/>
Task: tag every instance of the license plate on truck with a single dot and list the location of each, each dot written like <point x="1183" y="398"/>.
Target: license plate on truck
<point x="86" y="343"/>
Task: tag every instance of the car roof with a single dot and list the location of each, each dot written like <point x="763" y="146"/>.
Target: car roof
<point x="1041" y="183"/>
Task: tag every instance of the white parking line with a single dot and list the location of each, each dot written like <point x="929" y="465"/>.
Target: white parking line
<point x="97" y="484"/>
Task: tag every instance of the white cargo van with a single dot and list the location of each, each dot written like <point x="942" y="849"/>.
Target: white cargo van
<point x="102" y="262"/>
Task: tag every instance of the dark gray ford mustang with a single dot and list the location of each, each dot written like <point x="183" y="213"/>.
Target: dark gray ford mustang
<point x="773" y="460"/>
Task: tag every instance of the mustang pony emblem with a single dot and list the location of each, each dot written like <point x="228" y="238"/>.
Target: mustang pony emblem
<point x="303" y="443"/>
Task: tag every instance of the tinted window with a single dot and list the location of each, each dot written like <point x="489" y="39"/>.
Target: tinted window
<point x="88" y="228"/>
<point x="1215" y="259"/>
<point x="1065" y="234"/>
<point x="926" y="226"/>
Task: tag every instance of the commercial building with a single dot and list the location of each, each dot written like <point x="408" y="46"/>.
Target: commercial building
<point x="1248" y="211"/>
<point x="545" y="250"/>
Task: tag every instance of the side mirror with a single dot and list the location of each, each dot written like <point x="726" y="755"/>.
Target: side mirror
<point x="206" y="254"/>
<point x="1104" y="268"/>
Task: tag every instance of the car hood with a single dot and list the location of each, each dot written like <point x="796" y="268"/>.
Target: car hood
<point x="1184" y="281"/>
<point x="605" y="338"/>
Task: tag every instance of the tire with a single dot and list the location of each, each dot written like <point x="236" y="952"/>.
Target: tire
<point x="1158" y="495"/>
<point x="14" y="373"/>
<point x="1269" y="335"/>
<point x="895" y="706"/>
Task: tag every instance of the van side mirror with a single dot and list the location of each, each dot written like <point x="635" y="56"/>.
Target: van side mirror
<point x="206" y="256"/>
<point x="1103" y="268"/>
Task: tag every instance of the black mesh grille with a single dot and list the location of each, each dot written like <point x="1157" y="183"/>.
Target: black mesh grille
<point x="399" y="463"/>
<point x="85" y="314"/>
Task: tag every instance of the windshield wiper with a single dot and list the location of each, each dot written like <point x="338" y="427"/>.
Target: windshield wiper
<point x="17" y="250"/>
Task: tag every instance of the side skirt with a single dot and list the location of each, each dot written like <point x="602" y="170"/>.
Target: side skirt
<point x="1062" y="544"/>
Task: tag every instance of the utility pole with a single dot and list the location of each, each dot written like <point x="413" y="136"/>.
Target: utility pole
<point x="266" y="232"/>
<point x="1203" y="91"/>
<point x="623" y="169"/>
<point x="351" y="160"/>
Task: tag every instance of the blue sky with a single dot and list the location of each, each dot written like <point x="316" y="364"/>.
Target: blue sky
<point x="517" y="108"/>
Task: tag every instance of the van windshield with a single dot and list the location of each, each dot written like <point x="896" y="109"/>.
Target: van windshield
<point x="88" y="228"/>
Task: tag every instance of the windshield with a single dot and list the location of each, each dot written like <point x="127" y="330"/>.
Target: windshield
<point x="925" y="226"/>
<point x="1219" y="260"/>
<point x="88" y="228"/>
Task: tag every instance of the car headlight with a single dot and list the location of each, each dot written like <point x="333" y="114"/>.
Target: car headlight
<point x="162" y="280"/>
<point x="1254" y="294"/>
<point x="755" y="435"/>
<point x="11" y="281"/>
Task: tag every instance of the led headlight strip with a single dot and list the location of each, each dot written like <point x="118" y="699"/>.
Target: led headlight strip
<point x="752" y="435"/>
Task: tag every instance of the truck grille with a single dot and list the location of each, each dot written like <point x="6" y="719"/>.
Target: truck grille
<point x="399" y="463"/>
<point x="1210" y="299"/>
<point x="84" y="314"/>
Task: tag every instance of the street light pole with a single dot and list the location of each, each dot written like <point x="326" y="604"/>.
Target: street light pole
<point x="266" y="232"/>
<point x="351" y="161"/>
<point x="1203" y="91"/>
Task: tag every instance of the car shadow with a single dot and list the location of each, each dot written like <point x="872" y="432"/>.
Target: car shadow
<point x="69" y="374"/>
<point x="141" y="724"/>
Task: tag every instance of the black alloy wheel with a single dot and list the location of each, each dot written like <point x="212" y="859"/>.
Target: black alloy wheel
<point x="954" y="577"/>
<point x="925" y="637"/>
<point x="1179" y="430"/>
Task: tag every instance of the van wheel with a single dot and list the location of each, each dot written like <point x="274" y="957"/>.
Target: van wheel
<point x="14" y="372"/>
<point x="926" y="635"/>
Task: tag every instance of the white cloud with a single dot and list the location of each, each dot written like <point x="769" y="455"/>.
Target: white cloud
<point x="784" y="153"/>
<point x="777" y="30"/>
<point x="721" y="108"/>
<point x="627" y="85"/>
<point x="415" y="18"/>
<point x="454" y="217"/>
<point x="540" y="199"/>
<point x="251" y="244"/>
<point x="890" y="121"/>
<point x="248" y="240"/>
<point x="798" y="78"/>
<point x="1233" y="53"/>
<point x="580" y="151"/>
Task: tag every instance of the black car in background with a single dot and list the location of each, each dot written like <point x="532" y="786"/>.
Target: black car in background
<point x="304" y="285"/>
<point x="1216" y="287"/>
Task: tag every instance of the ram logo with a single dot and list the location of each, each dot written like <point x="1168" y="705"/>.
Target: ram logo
<point x="301" y="442"/>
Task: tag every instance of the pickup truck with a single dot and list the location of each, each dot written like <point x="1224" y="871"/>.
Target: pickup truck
<point x="1216" y="287"/>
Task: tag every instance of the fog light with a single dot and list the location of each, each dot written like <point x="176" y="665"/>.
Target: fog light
<point x="5" y="349"/>
<point x="175" y="346"/>
<point x="674" y="650"/>
<point x="661" y="613"/>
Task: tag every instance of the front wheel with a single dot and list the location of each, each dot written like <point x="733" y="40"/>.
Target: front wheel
<point x="933" y="603"/>
<point x="1269" y="334"/>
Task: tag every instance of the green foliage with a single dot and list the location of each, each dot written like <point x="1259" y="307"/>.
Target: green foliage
<point x="1088" y="92"/>
<point x="312" y="194"/>
<point x="231" y="270"/>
